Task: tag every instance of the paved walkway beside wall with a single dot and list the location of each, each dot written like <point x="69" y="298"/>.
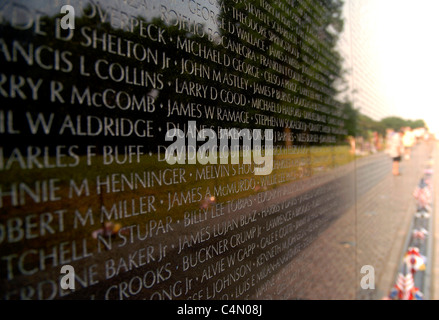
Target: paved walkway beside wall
<point x="384" y="215"/>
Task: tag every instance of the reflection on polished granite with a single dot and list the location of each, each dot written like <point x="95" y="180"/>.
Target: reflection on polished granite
<point x="86" y="180"/>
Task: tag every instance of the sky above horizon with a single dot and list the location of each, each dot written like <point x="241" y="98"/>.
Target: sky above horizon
<point x="406" y="44"/>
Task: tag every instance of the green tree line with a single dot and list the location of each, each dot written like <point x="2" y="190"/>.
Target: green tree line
<point x="360" y="125"/>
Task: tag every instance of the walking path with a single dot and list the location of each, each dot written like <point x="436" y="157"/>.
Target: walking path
<point x="384" y="217"/>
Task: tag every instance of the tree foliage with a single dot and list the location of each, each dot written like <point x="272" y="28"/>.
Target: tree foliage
<point x="360" y="125"/>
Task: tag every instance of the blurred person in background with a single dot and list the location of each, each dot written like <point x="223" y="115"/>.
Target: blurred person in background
<point x="396" y="150"/>
<point x="408" y="140"/>
<point x="388" y="140"/>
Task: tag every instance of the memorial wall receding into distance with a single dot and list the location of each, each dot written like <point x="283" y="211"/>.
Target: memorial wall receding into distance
<point x="88" y="178"/>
